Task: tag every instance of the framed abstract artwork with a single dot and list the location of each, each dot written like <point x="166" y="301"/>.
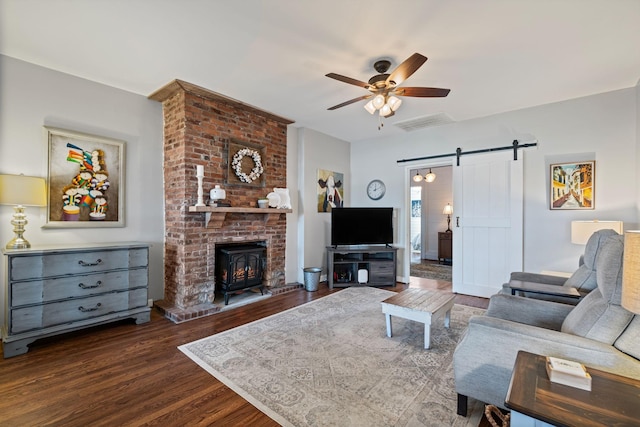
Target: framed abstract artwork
<point x="573" y="185"/>
<point x="85" y="185"/>
<point x="330" y="190"/>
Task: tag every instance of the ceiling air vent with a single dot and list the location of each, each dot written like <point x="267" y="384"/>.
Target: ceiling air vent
<point x="424" y="121"/>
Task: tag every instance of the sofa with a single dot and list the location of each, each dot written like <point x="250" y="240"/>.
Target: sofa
<point x="597" y="332"/>
<point x="583" y="279"/>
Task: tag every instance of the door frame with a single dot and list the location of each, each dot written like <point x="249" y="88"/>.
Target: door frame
<point x="434" y="163"/>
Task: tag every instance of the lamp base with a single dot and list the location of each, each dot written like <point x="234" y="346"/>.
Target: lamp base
<point x="18" y="243"/>
<point x="18" y="221"/>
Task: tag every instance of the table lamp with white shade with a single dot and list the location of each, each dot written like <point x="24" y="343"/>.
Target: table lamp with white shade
<point x="448" y="211"/>
<point x="21" y="191"/>
<point x="631" y="271"/>
<point x="581" y="231"/>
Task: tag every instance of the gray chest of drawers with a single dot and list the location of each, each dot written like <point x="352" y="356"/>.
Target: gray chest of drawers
<point x="50" y="291"/>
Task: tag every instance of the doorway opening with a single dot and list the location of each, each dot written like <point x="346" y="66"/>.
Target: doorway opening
<point x="428" y="198"/>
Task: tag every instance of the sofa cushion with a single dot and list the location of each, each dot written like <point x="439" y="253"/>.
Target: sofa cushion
<point x="629" y="341"/>
<point x="609" y="269"/>
<point x="596" y="319"/>
<point x="584" y="278"/>
<point x="599" y="316"/>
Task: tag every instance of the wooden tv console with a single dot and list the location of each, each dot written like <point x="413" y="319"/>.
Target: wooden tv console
<point x="343" y="265"/>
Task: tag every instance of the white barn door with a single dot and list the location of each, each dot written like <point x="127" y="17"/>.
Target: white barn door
<point x="487" y="221"/>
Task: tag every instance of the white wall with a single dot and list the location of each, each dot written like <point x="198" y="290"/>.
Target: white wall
<point x="318" y="151"/>
<point x="294" y="248"/>
<point x="435" y="196"/>
<point x="603" y="124"/>
<point x="638" y="148"/>
<point x="32" y="97"/>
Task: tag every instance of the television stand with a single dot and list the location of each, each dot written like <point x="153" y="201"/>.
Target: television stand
<point x="343" y="265"/>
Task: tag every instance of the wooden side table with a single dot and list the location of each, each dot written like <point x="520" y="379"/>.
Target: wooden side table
<point x="536" y="401"/>
<point x="445" y="247"/>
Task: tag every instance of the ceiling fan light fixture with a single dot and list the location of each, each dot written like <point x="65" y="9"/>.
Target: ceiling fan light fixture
<point x="385" y="111"/>
<point x="378" y="101"/>
<point x="394" y="102"/>
<point x="369" y="107"/>
<point x="430" y="177"/>
<point x="417" y="177"/>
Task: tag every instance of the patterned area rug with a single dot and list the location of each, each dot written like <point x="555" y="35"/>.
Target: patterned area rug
<point x="431" y="270"/>
<point x="329" y="363"/>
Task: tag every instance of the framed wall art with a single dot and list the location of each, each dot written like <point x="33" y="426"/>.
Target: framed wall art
<point x="85" y="180"/>
<point x="416" y="208"/>
<point x="573" y="185"/>
<point x="330" y="190"/>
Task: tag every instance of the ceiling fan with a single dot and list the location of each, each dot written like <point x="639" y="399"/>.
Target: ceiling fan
<point x="385" y="88"/>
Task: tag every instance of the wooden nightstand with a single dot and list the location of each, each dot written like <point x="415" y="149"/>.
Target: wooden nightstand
<point x="445" y="247"/>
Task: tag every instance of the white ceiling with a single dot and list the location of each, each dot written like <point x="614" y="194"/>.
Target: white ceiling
<point x="494" y="55"/>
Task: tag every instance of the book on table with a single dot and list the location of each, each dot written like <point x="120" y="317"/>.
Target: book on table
<point x="568" y="372"/>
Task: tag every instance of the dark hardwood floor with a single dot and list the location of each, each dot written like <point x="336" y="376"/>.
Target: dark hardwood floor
<point x="130" y="375"/>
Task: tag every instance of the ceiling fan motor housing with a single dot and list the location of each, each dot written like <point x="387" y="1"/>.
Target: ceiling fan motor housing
<point x="378" y="81"/>
<point x="382" y="66"/>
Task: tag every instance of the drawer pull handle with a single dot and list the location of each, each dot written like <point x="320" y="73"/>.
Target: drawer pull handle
<point x="97" y="285"/>
<point x="86" y="310"/>
<point x="90" y="264"/>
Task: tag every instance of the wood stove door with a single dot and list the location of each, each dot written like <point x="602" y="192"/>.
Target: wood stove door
<point x="247" y="271"/>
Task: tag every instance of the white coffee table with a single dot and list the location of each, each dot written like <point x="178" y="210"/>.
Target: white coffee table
<point x="419" y="305"/>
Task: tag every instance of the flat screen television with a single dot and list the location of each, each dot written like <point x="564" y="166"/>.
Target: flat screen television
<point x="361" y="226"/>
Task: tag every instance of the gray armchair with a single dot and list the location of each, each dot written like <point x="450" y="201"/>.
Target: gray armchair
<point x="597" y="332"/>
<point x="583" y="279"/>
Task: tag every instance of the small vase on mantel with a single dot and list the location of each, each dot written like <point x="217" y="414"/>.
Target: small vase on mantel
<point x="215" y="195"/>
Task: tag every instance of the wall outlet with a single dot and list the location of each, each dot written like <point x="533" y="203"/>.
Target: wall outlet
<point x="150" y="302"/>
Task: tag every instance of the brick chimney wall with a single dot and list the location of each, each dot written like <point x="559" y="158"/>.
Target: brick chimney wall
<point x="199" y="125"/>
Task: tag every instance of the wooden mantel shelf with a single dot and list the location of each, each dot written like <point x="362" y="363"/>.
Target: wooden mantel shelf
<point x="214" y="216"/>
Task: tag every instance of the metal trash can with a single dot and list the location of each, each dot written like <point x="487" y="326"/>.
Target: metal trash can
<point x="311" y="278"/>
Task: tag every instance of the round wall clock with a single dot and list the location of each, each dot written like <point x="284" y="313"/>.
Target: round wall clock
<point x="376" y="189"/>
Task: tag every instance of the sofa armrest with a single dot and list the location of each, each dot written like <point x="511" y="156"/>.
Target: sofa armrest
<point x="543" y="314"/>
<point x="517" y="336"/>
<point x="546" y="279"/>
<point x="485" y="356"/>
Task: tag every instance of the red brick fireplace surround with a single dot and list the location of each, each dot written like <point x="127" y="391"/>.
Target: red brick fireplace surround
<point x="199" y="126"/>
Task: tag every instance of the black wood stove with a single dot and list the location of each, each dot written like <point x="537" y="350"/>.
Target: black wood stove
<point x="240" y="267"/>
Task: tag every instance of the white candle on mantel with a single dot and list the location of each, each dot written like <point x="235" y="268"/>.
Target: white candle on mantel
<point x="200" y="176"/>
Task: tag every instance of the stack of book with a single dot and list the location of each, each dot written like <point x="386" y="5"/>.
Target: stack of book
<point x="569" y="373"/>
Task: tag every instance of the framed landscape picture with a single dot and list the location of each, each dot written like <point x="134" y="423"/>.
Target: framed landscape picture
<point x="85" y="180"/>
<point x="573" y="185"/>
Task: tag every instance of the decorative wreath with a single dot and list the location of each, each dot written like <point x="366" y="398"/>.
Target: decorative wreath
<point x="237" y="165"/>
